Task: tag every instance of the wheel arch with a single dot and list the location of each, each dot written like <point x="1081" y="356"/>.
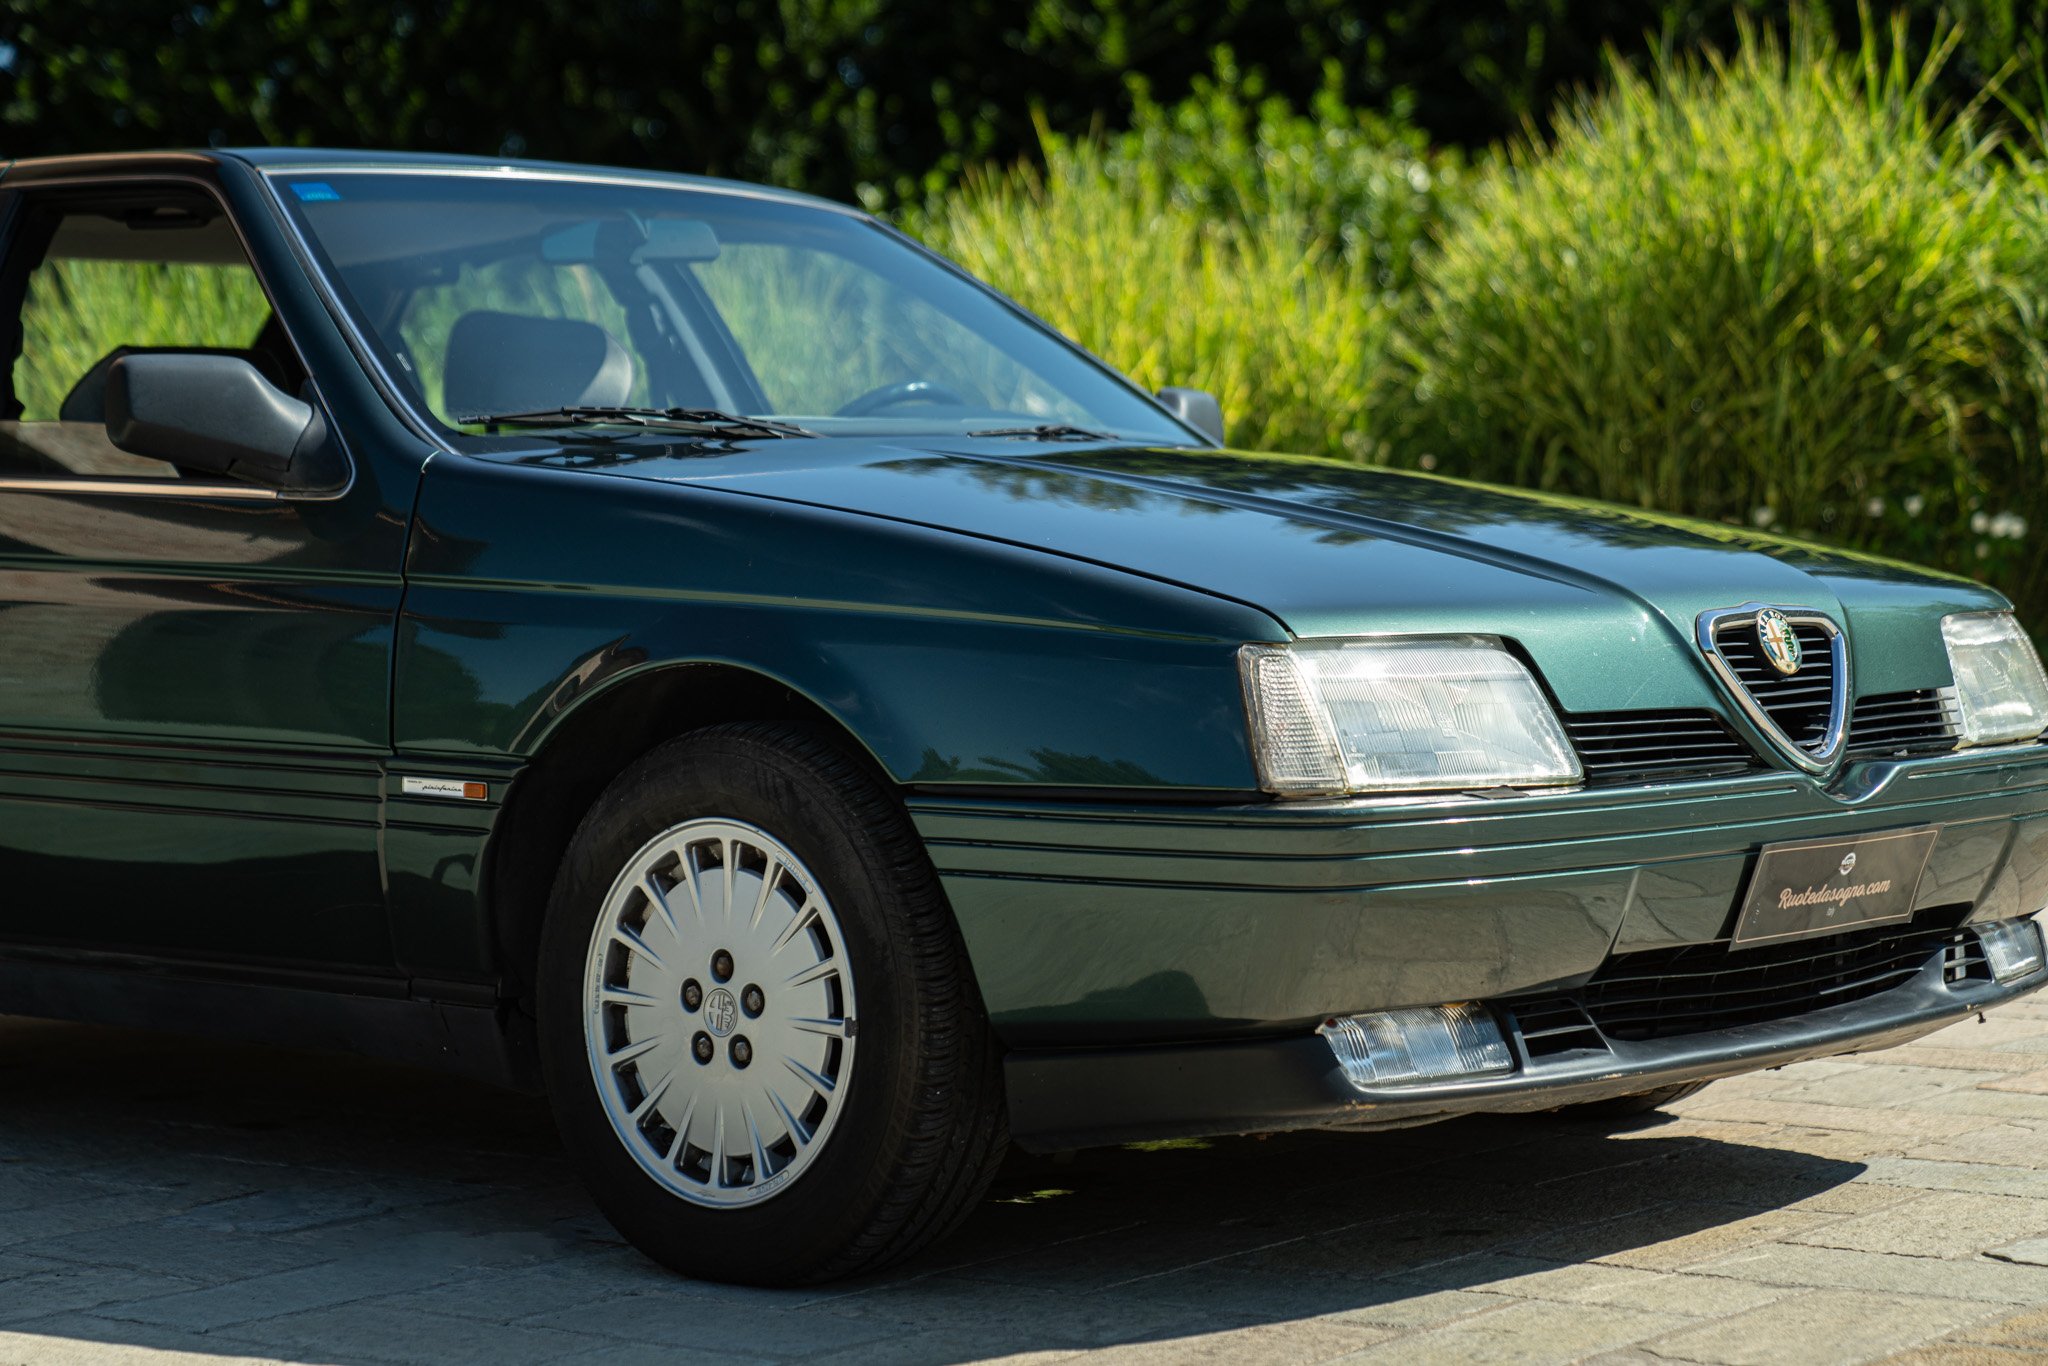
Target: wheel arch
<point x="584" y="749"/>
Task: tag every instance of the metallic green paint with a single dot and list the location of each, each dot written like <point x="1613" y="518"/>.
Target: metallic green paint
<point x="951" y="657"/>
<point x="1602" y="599"/>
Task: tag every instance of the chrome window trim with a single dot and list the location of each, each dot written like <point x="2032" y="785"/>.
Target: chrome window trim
<point x="1835" y="737"/>
<point x="169" y="488"/>
<point x="146" y="488"/>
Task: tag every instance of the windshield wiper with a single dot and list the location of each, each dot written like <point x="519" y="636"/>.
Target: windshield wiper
<point x="1049" y="431"/>
<point x="712" y="420"/>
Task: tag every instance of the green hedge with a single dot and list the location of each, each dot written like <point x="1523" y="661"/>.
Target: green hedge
<point x="1788" y="289"/>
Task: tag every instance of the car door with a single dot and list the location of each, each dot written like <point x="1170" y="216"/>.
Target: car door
<point x="194" y="671"/>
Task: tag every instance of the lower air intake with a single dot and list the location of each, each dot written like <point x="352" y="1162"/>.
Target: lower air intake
<point x="1659" y="993"/>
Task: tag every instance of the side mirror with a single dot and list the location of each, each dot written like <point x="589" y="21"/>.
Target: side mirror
<point x="216" y="413"/>
<point x="1198" y="408"/>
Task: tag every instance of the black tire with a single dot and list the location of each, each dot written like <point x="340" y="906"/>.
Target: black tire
<point x="922" y="1126"/>
<point x="1628" y="1107"/>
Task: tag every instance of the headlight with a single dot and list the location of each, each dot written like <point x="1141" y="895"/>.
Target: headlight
<point x="2000" y="687"/>
<point x="1399" y="715"/>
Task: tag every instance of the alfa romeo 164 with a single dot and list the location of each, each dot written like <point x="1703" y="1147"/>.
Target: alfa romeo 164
<point x="683" y="647"/>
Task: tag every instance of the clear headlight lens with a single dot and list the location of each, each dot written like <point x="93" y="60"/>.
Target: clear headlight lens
<point x="2000" y="686"/>
<point x="1400" y="715"/>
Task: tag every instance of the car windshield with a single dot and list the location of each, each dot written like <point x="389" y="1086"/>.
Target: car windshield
<point x="525" y="297"/>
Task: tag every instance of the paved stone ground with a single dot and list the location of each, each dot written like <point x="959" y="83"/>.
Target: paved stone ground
<point x="169" y="1201"/>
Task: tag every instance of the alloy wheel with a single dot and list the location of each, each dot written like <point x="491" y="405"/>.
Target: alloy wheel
<point x="719" y="1012"/>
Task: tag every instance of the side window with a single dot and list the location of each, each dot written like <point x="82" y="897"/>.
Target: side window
<point x="820" y="330"/>
<point x="431" y="325"/>
<point x="90" y="278"/>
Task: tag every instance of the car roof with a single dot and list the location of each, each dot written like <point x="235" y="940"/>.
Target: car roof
<point x="353" y="159"/>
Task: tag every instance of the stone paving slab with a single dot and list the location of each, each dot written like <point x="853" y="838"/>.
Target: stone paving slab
<point x="226" y="1204"/>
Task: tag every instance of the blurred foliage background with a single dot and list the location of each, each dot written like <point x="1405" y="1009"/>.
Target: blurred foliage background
<point x="1779" y="266"/>
<point x="886" y="98"/>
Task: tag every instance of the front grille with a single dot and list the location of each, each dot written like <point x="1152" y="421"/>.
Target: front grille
<point x="1923" y="721"/>
<point x="1657" y="993"/>
<point x="1797" y="704"/>
<point x="1623" y="746"/>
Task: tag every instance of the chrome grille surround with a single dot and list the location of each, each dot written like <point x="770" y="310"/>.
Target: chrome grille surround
<point x="1772" y="701"/>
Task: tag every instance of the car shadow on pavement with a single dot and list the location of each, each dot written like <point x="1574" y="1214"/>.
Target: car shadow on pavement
<point x="242" y="1202"/>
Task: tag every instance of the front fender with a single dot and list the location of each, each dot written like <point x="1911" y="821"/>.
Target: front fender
<point x="953" y="659"/>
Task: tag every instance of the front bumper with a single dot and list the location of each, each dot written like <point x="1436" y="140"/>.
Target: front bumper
<point x="1078" y="1098"/>
<point x="1134" y="956"/>
<point x="1097" y="924"/>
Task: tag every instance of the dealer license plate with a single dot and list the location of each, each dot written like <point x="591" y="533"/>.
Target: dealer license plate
<point x="1813" y="887"/>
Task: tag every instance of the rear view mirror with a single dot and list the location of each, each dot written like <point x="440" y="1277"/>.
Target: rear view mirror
<point x="653" y="239"/>
<point x="218" y="414"/>
<point x="677" y="239"/>
<point x="1196" y="407"/>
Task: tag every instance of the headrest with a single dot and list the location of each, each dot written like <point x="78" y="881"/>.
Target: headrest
<point x="506" y="363"/>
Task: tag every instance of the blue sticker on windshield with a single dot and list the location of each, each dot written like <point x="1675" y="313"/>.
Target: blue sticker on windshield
<point x="315" y="192"/>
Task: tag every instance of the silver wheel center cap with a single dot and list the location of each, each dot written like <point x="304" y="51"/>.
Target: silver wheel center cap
<point x="721" y="1012"/>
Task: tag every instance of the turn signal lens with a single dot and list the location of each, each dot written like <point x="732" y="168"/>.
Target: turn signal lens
<point x="2012" y="948"/>
<point x="1411" y="1047"/>
<point x="2000" y="686"/>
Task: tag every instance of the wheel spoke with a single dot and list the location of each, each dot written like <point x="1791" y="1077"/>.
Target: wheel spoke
<point x="693" y="876"/>
<point x="638" y="947"/>
<point x="816" y="972"/>
<point x="639" y="1048"/>
<point x="622" y="996"/>
<point x="797" y="1132"/>
<point x="651" y="1099"/>
<point x="658" y="898"/>
<point x="769" y="875"/>
<point x="805" y="914"/>
<point x="675" y="1146"/>
<point x="831" y="1029"/>
<point x="718" y="1147"/>
<point x="754" y="1140"/>
<point x="725" y="853"/>
<point x="822" y="1085"/>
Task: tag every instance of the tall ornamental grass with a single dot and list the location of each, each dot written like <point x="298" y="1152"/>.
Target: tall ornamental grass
<point x="1282" y="326"/>
<point x="1780" y="288"/>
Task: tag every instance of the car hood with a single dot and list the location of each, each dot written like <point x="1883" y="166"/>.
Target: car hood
<point x="1604" y="598"/>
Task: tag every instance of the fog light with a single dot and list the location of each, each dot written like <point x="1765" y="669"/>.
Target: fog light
<point x="2011" y="947"/>
<point x="1409" y="1047"/>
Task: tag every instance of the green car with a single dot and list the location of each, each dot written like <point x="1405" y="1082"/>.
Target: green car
<point x="682" y="647"/>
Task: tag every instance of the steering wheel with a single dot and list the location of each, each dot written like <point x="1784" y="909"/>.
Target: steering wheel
<point x="902" y="391"/>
